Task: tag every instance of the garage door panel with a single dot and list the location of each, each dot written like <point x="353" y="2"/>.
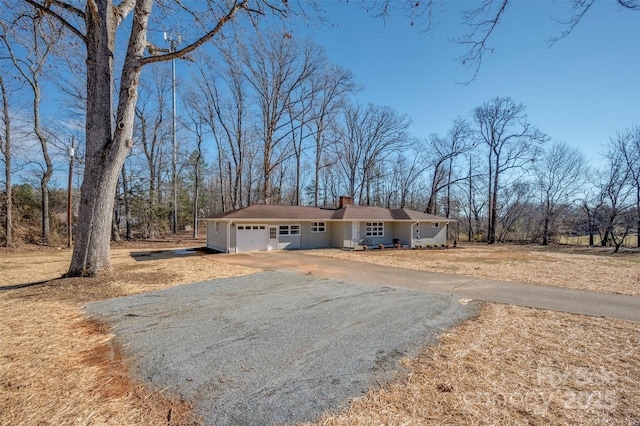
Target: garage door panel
<point x="251" y="238"/>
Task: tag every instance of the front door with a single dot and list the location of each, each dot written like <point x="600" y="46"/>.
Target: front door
<point x="355" y="233"/>
<point x="273" y="238"/>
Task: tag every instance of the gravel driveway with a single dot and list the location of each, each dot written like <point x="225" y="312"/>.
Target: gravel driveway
<point x="273" y="347"/>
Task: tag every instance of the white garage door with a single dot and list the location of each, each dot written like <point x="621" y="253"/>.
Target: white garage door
<point x="251" y="238"/>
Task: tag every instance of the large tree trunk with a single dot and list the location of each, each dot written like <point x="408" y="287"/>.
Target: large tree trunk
<point x="106" y="150"/>
<point x="545" y="231"/>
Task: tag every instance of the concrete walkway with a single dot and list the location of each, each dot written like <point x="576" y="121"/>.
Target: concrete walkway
<point x="534" y="296"/>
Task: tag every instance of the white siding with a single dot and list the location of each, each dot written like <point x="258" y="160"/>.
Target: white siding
<point x="340" y="234"/>
<point x="217" y="241"/>
<point x="311" y="240"/>
<point x="431" y="235"/>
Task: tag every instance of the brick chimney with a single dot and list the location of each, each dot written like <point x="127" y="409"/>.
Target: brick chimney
<point x="345" y="201"/>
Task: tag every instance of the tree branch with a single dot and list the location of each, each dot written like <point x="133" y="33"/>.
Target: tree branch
<point x="195" y="16"/>
<point x="124" y="8"/>
<point x="575" y="19"/>
<point x="57" y="16"/>
<point x="193" y="46"/>
<point x="68" y="7"/>
<point x="630" y="4"/>
<point x="477" y="48"/>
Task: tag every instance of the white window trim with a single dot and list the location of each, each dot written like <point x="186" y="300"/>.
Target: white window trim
<point x="289" y="229"/>
<point x="375" y="229"/>
<point x="216" y="227"/>
<point x="435" y="225"/>
<point x="318" y="227"/>
<point x="251" y="227"/>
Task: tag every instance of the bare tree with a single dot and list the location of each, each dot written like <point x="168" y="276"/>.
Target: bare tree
<point x="299" y="115"/>
<point x="438" y="177"/>
<point x="277" y="67"/>
<point x="29" y="43"/>
<point x="513" y="144"/>
<point x="472" y="186"/>
<point x="408" y="170"/>
<point x="590" y="205"/>
<point x="334" y="84"/>
<point x="219" y="97"/>
<point x="615" y="205"/>
<point x="627" y="144"/>
<point x="559" y="175"/>
<point x="372" y="135"/>
<point x="196" y="163"/>
<point x="516" y="207"/>
<point x="5" y="149"/>
<point x="447" y="150"/>
<point x="151" y="134"/>
<point x="205" y="105"/>
<point x="459" y="142"/>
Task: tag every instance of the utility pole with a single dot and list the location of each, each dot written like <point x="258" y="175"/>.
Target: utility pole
<point x="174" y="41"/>
<point x="71" y="153"/>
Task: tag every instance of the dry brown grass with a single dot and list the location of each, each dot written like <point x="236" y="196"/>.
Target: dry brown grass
<point x="58" y="368"/>
<point x="515" y="366"/>
<point x="592" y="269"/>
<point x="510" y="366"/>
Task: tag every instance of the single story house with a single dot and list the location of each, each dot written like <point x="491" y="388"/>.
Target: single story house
<point x="267" y="227"/>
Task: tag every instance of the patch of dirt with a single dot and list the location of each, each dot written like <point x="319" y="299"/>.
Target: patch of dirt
<point x="114" y="382"/>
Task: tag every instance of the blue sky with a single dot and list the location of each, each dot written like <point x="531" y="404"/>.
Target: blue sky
<point x="581" y="90"/>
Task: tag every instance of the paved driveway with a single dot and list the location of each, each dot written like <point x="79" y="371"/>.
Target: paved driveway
<point x="534" y="296"/>
<point x="274" y="347"/>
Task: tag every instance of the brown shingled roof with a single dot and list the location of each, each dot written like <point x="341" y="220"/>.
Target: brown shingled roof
<point x="261" y="211"/>
<point x="415" y="215"/>
<point x="349" y="212"/>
